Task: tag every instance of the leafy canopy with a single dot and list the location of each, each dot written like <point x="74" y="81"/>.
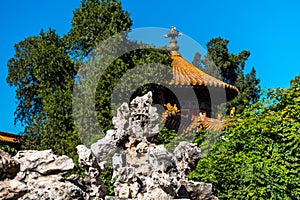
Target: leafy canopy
<point x="258" y="157"/>
<point x="229" y="67"/>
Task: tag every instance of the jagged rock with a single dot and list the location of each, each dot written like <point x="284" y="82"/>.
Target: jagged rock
<point x="120" y="122"/>
<point x="143" y="117"/>
<point x="40" y="177"/>
<point x="105" y="147"/>
<point x="163" y="181"/>
<point x="160" y="158"/>
<point x="127" y="184"/>
<point x="145" y="171"/>
<point x="199" y="190"/>
<point x="157" y="193"/>
<point x="126" y="174"/>
<point x="142" y="170"/>
<point x="8" y="166"/>
<point x="94" y="185"/>
<point x="87" y="159"/>
<point x="137" y="121"/>
<point x="42" y="163"/>
<point x="12" y="189"/>
<point x="41" y="173"/>
<point x="159" y="185"/>
<point x="133" y="156"/>
<point x="110" y="197"/>
<point x="53" y="187"/>
<point x="186" y="156"/>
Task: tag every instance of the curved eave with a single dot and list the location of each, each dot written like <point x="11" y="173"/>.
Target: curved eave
<point x="186" y="74"/>
<point x="8" y="137"/>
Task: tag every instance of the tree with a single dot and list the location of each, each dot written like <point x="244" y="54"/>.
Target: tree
<point x="44" y="74"/>
<point x="94" y="22"/>
<point x="128" y="76"/>
<point x="93" y="25"/>
<point x="258" y="155"/>
<point x="45" y="71"/>
<point x="249" y="91"/>
<point x="229" y="67"/>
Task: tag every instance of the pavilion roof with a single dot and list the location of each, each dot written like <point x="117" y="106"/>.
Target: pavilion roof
<point x="184" y="73"/>
<point x="9" y="137"/>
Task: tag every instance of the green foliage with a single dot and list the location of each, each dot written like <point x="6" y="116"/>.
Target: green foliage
<point x="77" y="169"/>
<point x="125" y="85"/>
<point x="165" y="136"/>
<point x="229" y="67"/>
<point x="258" y="155"/>
<point x="94" y="22"/>
<point x="106" y="177"/>
<point x="9" y="149"/>
<point x="249" y="91"/>
<point x="44" y="68"/>
<point x="205" y="139"/>
<point x="43" y="74"/>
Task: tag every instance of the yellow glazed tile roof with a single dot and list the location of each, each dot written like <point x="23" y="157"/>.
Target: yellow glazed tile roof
<point x="8" y="137"/>
<point x="185" y="73"/>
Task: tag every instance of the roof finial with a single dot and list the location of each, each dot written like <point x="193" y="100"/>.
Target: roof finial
<point x="173" y="33"/>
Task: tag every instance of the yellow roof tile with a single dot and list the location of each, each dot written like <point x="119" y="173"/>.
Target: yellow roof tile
<point x="8" y="137"/>
<point x="185" y="73"/>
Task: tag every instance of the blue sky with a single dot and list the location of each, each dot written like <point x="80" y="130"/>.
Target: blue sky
<point x="268" y="29"/>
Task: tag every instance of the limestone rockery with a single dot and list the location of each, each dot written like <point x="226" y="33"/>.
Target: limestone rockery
<point x="142" y="170"/>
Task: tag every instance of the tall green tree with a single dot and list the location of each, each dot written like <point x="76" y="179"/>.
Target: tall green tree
<point x="43" y="75"/>
<point x="94" y="25"/>
<point x="229" y="67"/>
<point x="258" y="155"/>
<point x="94" y="22"/>
<point x="45" y="71"/>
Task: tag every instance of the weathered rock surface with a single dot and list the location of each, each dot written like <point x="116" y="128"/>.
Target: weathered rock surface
<point x="186" y="156"/>
<point x="8" y="166"/>
<point x="92" y="182"/>
<point x="105" y="147"/>
<point x="12" y="189"/>
<point x="145" y="171"/>
<point x="137" y="121"/>
<point x="53" y="187"/>
<point x="42" y="163"/>
<point x="142" y="170"/>
<point x="143" y="117"/>
<point x="39" y="176"/>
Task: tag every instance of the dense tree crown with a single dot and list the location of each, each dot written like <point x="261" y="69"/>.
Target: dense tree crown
<point x="258" y="155"/>
<point x="44" y="68"/>
<point x="43" y="75"/>
<point x="229" y="67"/>
<point x="94" y="22"/>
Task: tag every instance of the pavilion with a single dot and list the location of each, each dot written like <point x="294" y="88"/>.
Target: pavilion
<point x="186" y="114"/>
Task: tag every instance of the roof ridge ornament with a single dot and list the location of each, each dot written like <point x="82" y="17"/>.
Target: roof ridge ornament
<point x="173" y="33"/>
